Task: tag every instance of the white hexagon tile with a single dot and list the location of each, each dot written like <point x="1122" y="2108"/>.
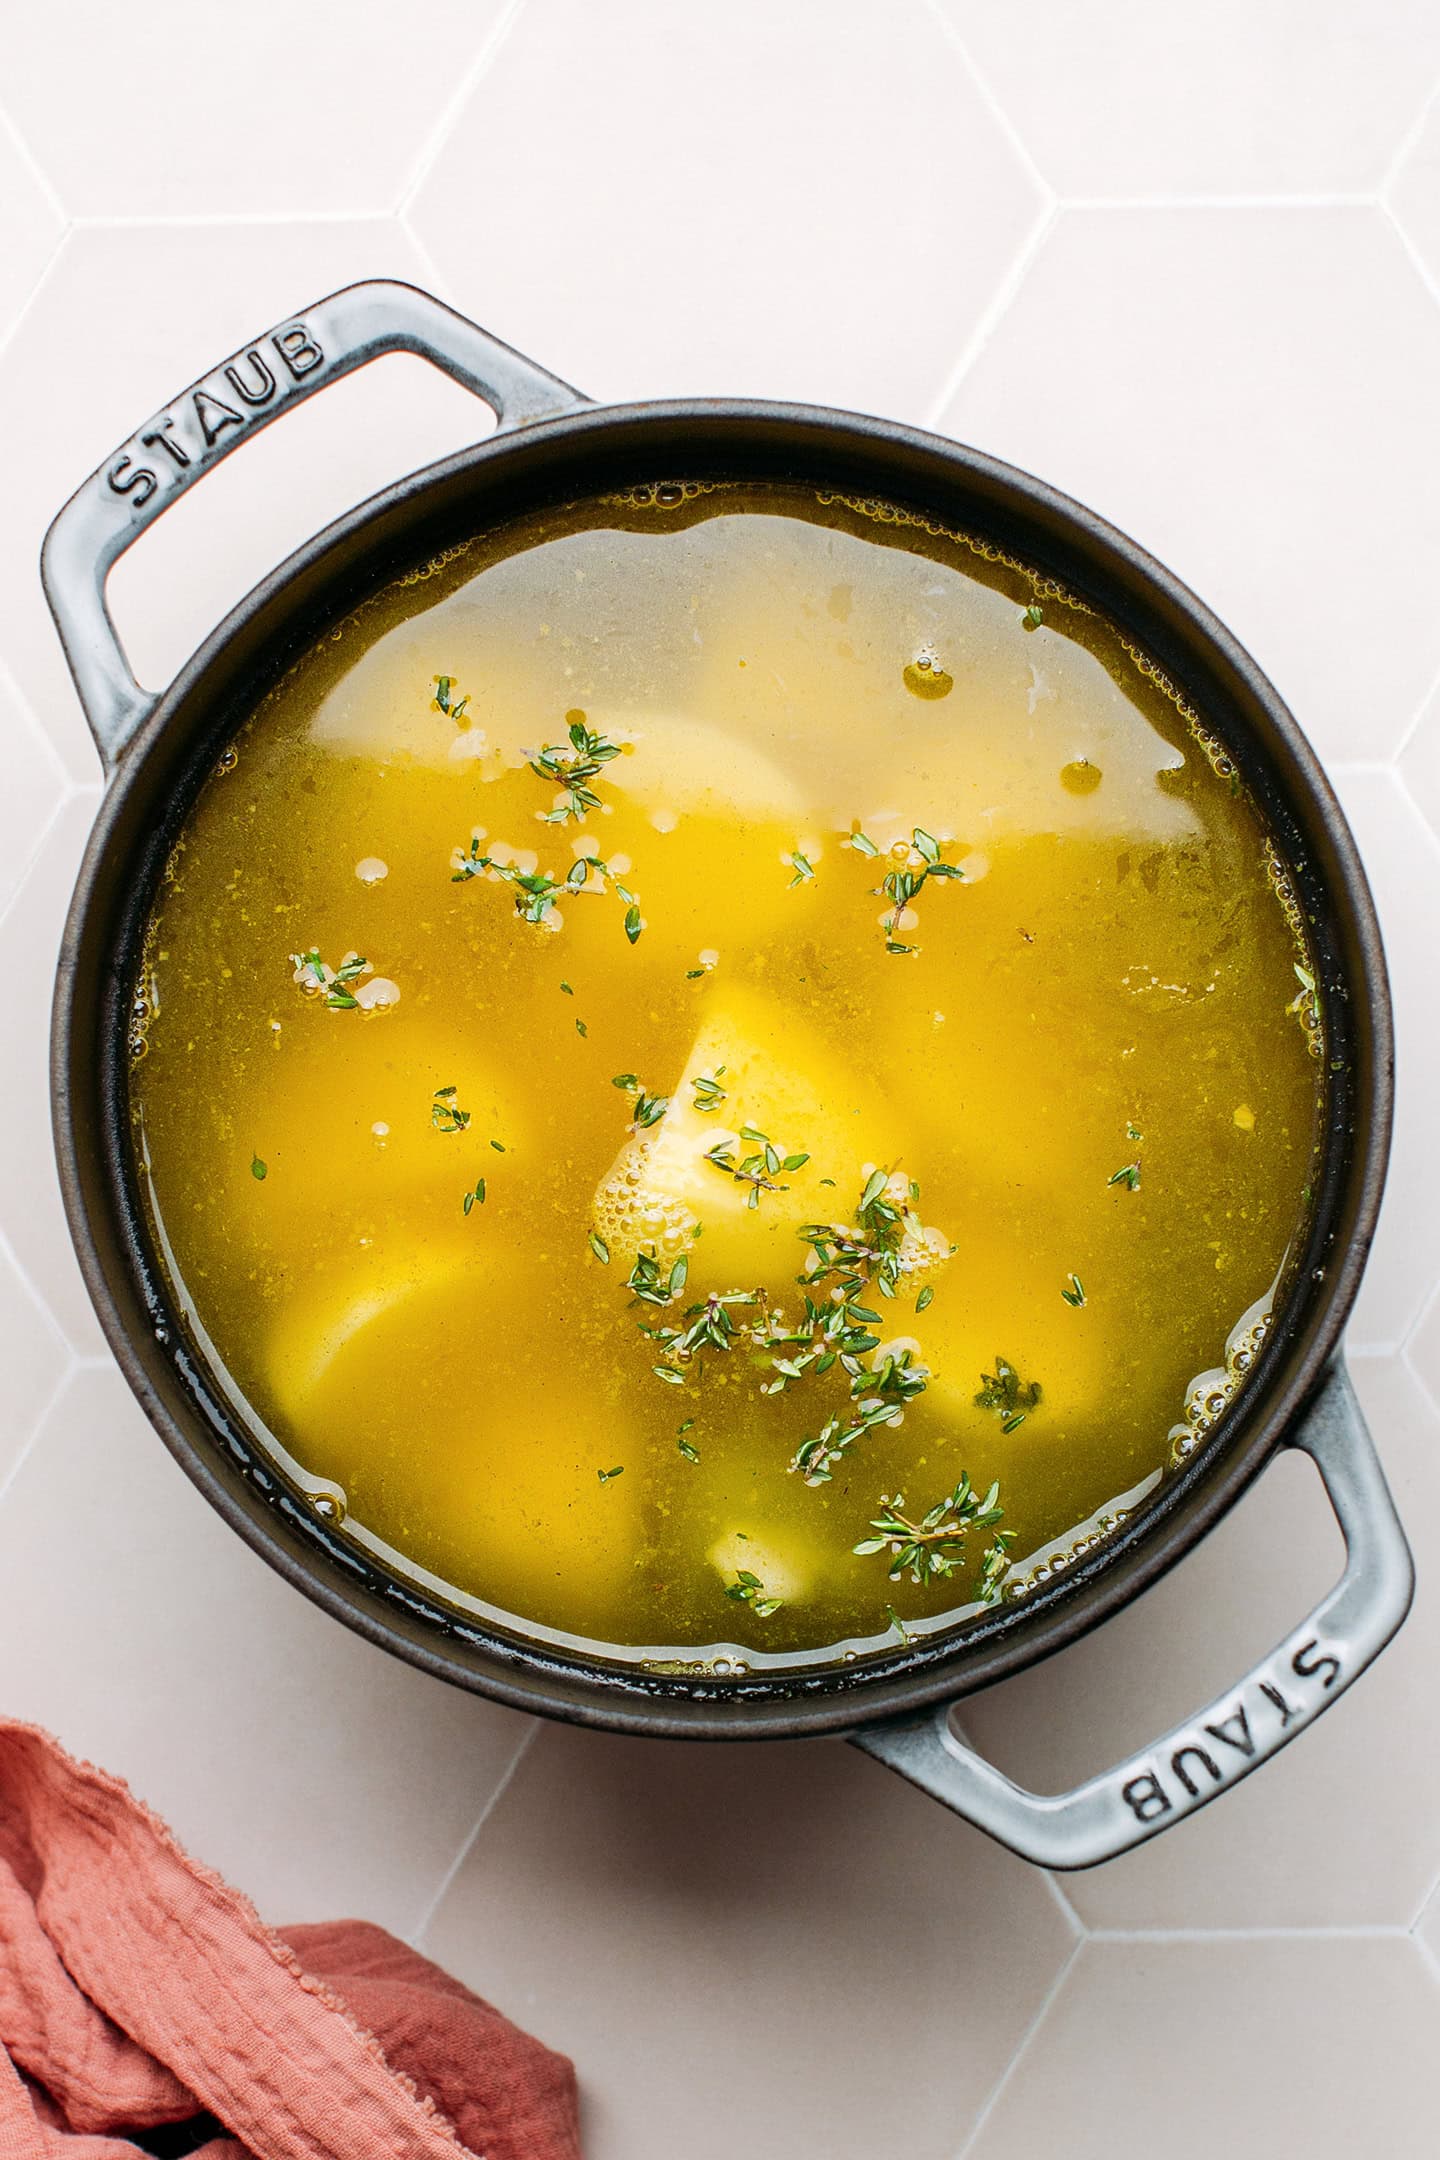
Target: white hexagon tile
<point x="1185" y="262"/>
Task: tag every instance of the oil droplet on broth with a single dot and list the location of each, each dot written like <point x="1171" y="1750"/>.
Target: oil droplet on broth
<point x="460" y="1376"/>
<point x="924" y="677"/>
<point x="1080" y="777"/>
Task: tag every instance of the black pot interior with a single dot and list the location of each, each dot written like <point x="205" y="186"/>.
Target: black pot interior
<point x="558" y="462"/>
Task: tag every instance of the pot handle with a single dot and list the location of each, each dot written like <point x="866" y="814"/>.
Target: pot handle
<point x="1241" y="1729"/>
<point x="214" y="416"/>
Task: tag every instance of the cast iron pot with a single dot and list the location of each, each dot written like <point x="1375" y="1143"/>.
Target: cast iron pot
<point x="553" y="446"/>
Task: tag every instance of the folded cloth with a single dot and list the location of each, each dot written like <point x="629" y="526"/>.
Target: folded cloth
<point x="144" y="2008"/>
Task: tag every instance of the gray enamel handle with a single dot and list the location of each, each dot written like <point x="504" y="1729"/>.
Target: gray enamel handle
<point x="216" y="415"/>
<point x="1239" y="1731"/>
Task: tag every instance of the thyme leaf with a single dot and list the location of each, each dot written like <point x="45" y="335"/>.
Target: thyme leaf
<point x="1010" y="1397"/>
<point x="747" y="1589"/>
<point x="445" y="1113"/>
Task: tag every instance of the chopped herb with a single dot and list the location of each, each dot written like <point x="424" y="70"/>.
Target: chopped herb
<point x="694" y="974"/>
<point x="569" y="992"/>
<point x="1074" y="1293"/>
<point x="747" y="1589"/>
<point x="897" y="1623"/>
<point x="668" y="1372"/>
<point x="445" y="1113"/>
<point x="925" y="1299"/>
<point x="632" y="923"/>
<point x="475" y="1197"/>
<point x="581" y="1030"/>
<point x="1132" y="1131"/>
<point x="804" y="869"/>
<point x="313" y="975"/>
<point x="862" y="844"/>
<point x="1004" y="1392"/>
<point x="606" y="1475"/>
<point x="935" y="1545"/>
<point x="1307" y="989"/>
<point x="708" y="1092"/>
<point x="1128" y="1176"/>
<point x="498" y="1145"/>
<point x="574" y="769"/>
<point x="258" y="1170"/>
<point x="690" y="1452"/>
<point x="1033" y="616"/>
<point x="600" y="1249"/>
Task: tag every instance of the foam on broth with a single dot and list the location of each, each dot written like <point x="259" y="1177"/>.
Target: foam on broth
<point x="542" y="1342"/>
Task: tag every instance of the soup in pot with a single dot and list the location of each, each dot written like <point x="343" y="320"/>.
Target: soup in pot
<point x="726" y="1073"/>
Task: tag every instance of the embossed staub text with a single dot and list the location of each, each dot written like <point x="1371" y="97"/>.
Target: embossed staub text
<point x="1262" y="1717"/>
<point x="209" y="417"/>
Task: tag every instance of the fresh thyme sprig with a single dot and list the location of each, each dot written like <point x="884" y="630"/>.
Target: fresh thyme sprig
<point x="445" y="1113"/>
<point x="314" y="976"/>
<point x="712" y="1324"/>
<point x="1011" y="1398"/>
<point x="934" y="1546"/>
<point x="917" y="861"/>
<point x="760" y="1169"/>
<point x="574" y="769"/>
<point x="747" y="1589"/>
<point x="1074" y="1292"/>
<point x="654" y="1285"/>
<point x="536" y="891"/>
<point x="445" y="699"/>
<point x="649" y="1109"/>
<point x="851" y="1258"/>
<point x="815" y="1458"/>
<point x="474" y="1197"/>
<point x="802" y="866"/>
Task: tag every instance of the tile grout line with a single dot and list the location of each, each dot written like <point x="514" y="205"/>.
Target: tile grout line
<point x="41" y="1419"/>
<point x="1361" y="200"/>
<point x="8" y="337"/>
<point x="1358" y="1931"/>
<point x="1026" y="2041"/>
<point x="485" y="54"/>
<point x="994" y="312"/>
<point x="1408" y="142"/>
<point x="1416" y="260"/>
<point x="30" y="720"/>
<point x="1079" y="1928"/>
<point x="42" y="838"/>
<point x="950" y="34"/>
<point x="227" y="220"/>
<point x="416" y="1938"/>
<point x="1046" y="211"/>
<point x="1413" y="728"/>
<point x="35" y="169"/>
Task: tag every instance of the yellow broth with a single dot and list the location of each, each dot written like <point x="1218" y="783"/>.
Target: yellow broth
<point x="424" y="1216"/>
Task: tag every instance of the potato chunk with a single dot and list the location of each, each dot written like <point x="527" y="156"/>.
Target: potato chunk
<point x="667" y="1192"/>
